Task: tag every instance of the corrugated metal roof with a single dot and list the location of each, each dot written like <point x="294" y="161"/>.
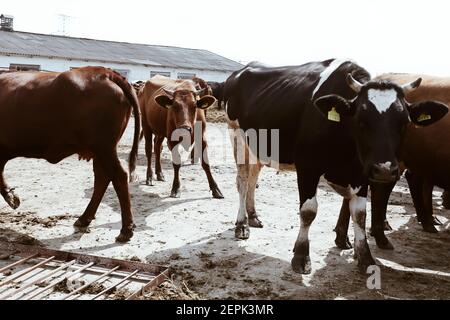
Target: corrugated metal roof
<point x="43" y="45"/>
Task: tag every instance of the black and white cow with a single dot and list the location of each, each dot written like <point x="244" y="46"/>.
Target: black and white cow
<point x="217" y="92"/>
<point x="332" y="121"/>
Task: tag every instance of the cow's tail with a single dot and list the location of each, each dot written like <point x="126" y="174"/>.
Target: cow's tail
<point x="130" y="93"/>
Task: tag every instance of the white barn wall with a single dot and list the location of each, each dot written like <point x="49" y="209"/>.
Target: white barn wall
<point x="136" y="72"/>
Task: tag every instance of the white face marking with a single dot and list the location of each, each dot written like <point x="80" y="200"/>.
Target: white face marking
<point x="325" y="74"/>
<point x="386" y="165"/>
<point x="382" y="99"/>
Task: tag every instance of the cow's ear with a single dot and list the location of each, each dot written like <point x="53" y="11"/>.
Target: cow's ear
<point x="427" y="112"/>
<point x="205" y="102"/>
<point x="164" y="101"/>
<point x="334" y="107"/>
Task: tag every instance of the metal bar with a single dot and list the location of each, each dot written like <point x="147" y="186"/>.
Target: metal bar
<point x="64" y="266"/>
<point x="54" y="283"/>
<point x="151" y="285"/>
<point x="24" y="272"/>
<point x="128" y="266"/>
<point x="12" y="265"/>
<point x="91" y="282"/>
<point x="115" y="285"/>
<point x="141" y="277"/>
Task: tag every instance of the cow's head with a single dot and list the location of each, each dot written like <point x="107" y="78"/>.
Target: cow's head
<point x="376" y="119"/>
<point x="183" y="102"/>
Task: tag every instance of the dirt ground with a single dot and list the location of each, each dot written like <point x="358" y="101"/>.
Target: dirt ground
<point x="195" y="233"/>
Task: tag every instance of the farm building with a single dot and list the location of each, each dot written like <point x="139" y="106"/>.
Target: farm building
<point x="31" y="51"/>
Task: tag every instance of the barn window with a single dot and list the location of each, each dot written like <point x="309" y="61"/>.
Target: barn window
<point x="24" y="67"/>
<point x="186" y="75"/>
<point x="123" y="72"/>
<point x="161" y="73"/>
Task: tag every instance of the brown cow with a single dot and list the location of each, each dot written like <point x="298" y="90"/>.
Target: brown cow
<point x="54" y="115"/>
<point x="426" y="152"/>
<point x="169" y="105"/>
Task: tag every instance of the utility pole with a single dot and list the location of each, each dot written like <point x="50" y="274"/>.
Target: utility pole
<point x="64" y="20"/>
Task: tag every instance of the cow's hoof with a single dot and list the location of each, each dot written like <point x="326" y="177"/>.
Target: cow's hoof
<point x="437" y="222"/>
<point x="217" y="194"/>
<point x="343" y="242"/>
<point x="160" y="177"/>
<point x="134" y="178"/>
<point x="11" y="199"/>
<point x="301" y="264"/>
<point x="429" y="227"/>
<point x="175" y="193"/>
<point x="81" y="227"/>
<point x="387" y="226"/>
<point x="124" y="237"/>
<point x="125" y="234"/>
<point x="254" y="222"/>
<point x="149" y="182"/>
<point x="242" y="231"/>
<point x="82" y="224"/>
<point x="383" y="242"/>
<point x="363" y="264"/>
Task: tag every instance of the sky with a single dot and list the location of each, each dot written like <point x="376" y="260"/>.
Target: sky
<point x="382" y="36"/>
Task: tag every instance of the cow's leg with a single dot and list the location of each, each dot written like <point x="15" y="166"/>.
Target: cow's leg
<point x="175" y="192"/>
<point x="148" y="152"/>
<point x="341" y="228"/>
<point x="7" y="193"/>
<point x="253" y="219"/>
<point x="357" y="207"/>
<point x="102" y="179"/>
<point x="428" y="220"/>
<point x="380" y="193"/>
<point x="307" y="185"/>
<point x="446" y="199"/>
<point x="419" y="190"/>
<point x="242" y="230"/>
<point x="120" y="183"/>
<point x="176" y="163"/>
<point x="195" y="153"/>
<point x="205" y="165"/>
<point x="158" y="149"/>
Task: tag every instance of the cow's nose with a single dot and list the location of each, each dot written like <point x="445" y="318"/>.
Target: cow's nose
<point x="384" y="172"/>
<point x="185" y="127"/>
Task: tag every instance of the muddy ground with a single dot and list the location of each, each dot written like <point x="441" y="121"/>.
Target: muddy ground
<point x="195" y="233"/>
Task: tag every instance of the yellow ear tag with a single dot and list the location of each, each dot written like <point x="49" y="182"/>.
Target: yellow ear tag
<point x="333" y="115"/>
<point x="423" y="117"/>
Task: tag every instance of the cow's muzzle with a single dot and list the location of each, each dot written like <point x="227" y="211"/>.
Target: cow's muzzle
<point x="384" y="173"/>
<point x="186" y="127"/>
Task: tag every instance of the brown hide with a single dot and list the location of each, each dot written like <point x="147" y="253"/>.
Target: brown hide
<point x="53" y="115"/>
<point x="162" y="121"/>
<point x="426" y="150"/>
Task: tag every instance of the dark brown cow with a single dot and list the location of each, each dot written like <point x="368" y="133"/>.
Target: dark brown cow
<point x="168" y="105"/>
<point x="426" y="152"/>
<point x="54" y="115"/>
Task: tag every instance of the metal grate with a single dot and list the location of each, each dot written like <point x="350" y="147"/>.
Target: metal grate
<point x="35" y="273"/>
